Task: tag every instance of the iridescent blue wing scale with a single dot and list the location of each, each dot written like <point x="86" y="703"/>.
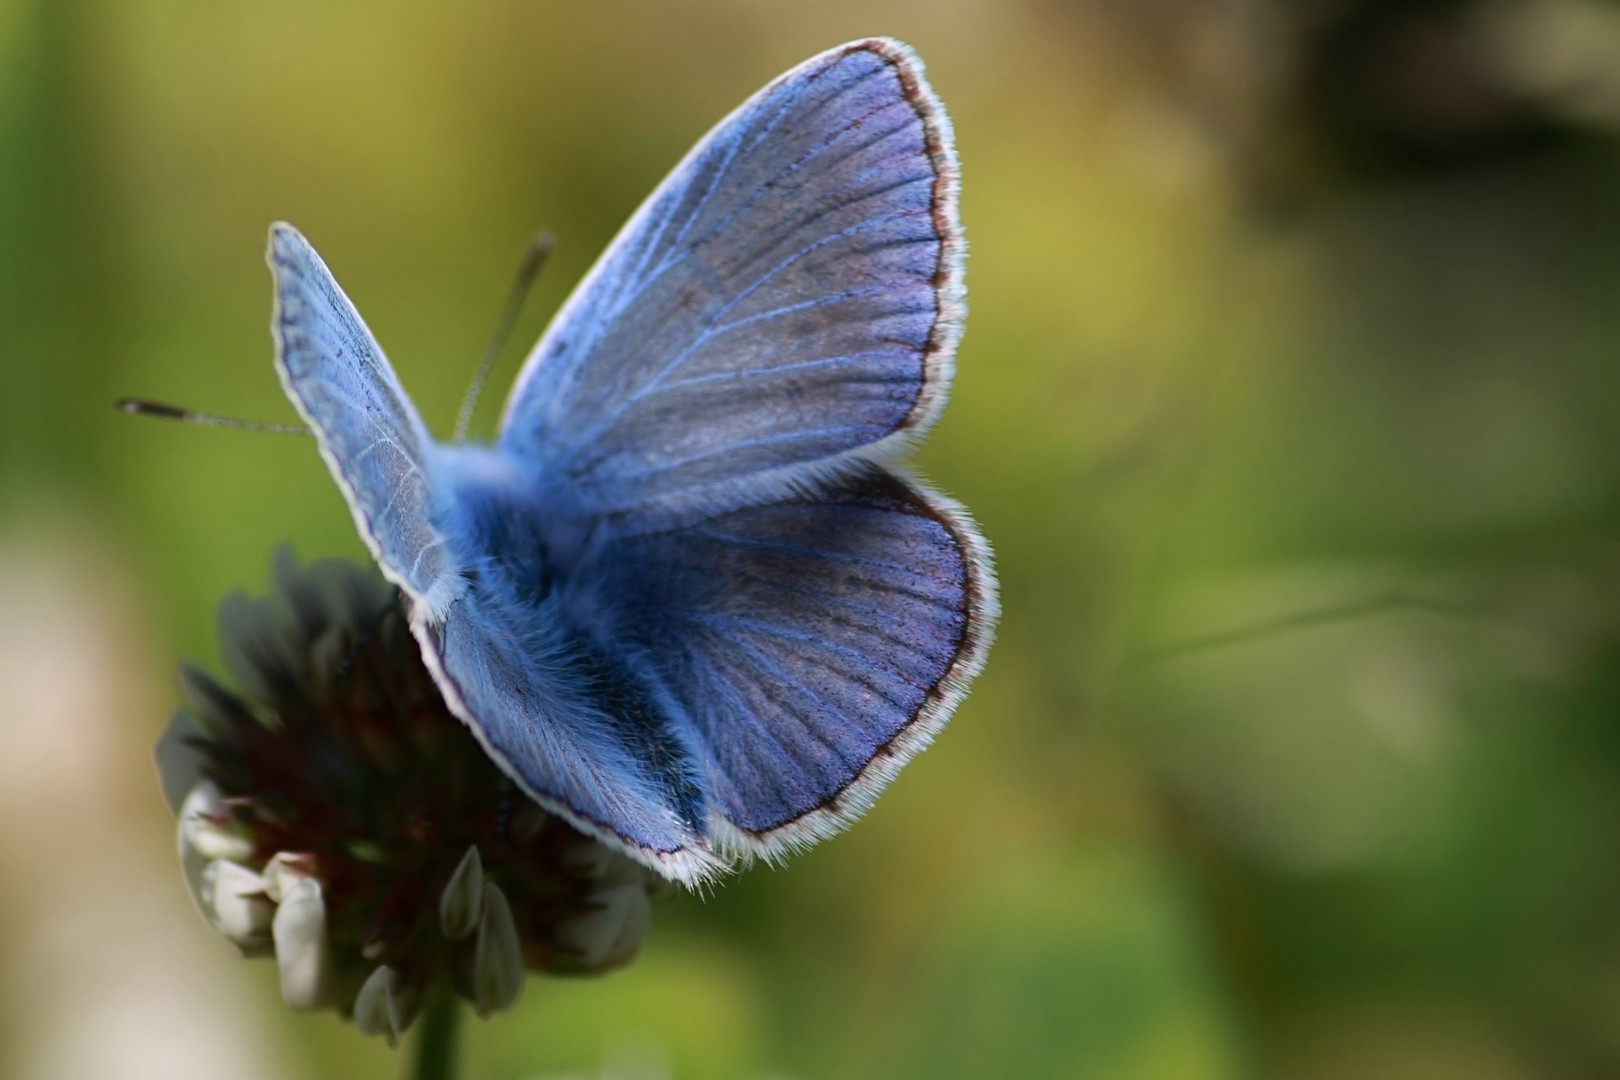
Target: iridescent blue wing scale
<point x="790" y="296"/>
<point x="369" y="433"/>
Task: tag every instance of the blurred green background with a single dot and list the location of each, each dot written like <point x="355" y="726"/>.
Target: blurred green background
<point x="1289" y="400"/>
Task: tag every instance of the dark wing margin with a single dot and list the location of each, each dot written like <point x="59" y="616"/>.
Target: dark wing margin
<point x="369" y="433"/>
<point x="789" y="299"/>
<point x="815" y="645"/>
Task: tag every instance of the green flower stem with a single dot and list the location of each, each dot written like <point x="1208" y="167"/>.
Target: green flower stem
<point x="435" y="1057"/>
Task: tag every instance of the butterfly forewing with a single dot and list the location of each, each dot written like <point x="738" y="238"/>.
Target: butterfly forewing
<point x="369" y="433"/>
<point x="789" y="295"/>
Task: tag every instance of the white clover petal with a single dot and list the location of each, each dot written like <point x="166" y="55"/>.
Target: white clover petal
<point x="212" y="842"/>
<point x="203" y="799"/>
<point x="614" y="930"/>
<point x="461" y="904"/>
<point x="192" y="866"/>
<point x="377" y="1009"/>
<point x="299" y="930"/>
<point x="284" y="870"/>
<point x="201" y="833"/>
<point x="497" y="978"/>
<point x="233" y="898"/>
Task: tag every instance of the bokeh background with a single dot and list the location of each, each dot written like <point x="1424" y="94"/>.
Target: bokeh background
<point x="1289" y="399"/>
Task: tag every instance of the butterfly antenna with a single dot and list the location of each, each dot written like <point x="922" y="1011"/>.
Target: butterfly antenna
<point x="142" y="407"/>
<point x="522" y="282"/>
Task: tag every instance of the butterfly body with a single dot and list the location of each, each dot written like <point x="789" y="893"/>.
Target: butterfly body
<point x="685" y="599"/>
<point x="499" y="523"/>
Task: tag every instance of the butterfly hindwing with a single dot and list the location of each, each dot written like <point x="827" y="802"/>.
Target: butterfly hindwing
<point x="814" y="643"/>
<point x="579" y="729"/>
<point x="369" y="433"/>
<point x="790" y="294"/>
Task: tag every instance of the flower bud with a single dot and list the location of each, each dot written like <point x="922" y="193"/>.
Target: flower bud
<point x="233" y="898"/>
<point x="613" y="931"/>
<point x="379" y="1008"/>
<point x="201" y="828"/>
<point x="497" y="957"/>
<point x="299" y="930"/>
<point x="461" y="903"/>
<point x="283" y="871"/>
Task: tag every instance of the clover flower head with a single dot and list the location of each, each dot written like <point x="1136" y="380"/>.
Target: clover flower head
<point x="335" y="815"/>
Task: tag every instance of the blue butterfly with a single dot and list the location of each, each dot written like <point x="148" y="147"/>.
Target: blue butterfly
<point x="686" y="600"/>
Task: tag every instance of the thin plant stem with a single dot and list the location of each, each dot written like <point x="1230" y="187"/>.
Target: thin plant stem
<point x="435" y="1053"/>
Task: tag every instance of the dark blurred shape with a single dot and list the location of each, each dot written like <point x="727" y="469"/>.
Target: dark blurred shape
<point x="1301" y="99"/>
<point x="1388" y="87"/>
